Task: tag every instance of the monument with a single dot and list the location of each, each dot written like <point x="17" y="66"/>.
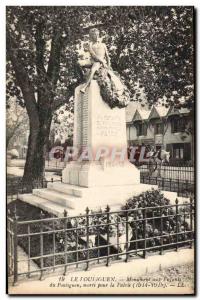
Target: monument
<point x="100" y="173"/>
<point x="98" y="127"/>
<point x="100" y="135"/>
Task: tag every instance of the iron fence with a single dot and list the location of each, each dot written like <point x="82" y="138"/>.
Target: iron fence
<point x="97" y="237"/>
<point x="176" y="177"/>
<point x="178" y="171"/>
<point x="182" y="188"/>
<point x="55" y="164"/>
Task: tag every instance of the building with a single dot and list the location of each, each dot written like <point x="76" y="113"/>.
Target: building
<point x="161" y="127"/>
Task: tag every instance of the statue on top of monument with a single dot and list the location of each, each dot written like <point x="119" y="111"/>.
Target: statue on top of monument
<point x="113" y="91"/>
<point x="98" y="56"/>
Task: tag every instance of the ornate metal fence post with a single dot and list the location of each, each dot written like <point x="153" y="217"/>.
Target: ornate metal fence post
<point x="191" y="221"/>
<point x="15" y="242"/>
<point x="87" y="239"/>
<point x="41" y="246"/>
<point x="144" y="213"/>
<point x="177" y="229"/>
<point x="108" y="234"/>
<point x="126" y="207"/>
<point x="65" y="240"/>
<point x="29" y="251"/>
<point x="77" y="238"/>
<point x="178" y="187"/>
<point x="161" y="232"/>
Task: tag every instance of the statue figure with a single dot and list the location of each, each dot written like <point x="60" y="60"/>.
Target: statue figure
<point x="113" y="91"/>
<point x="99" y="56"/>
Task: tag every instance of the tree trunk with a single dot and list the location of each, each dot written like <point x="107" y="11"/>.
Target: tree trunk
<point x="35" y="159"/>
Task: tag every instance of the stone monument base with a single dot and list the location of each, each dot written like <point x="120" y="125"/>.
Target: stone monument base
<point x="58" y="197"/>
<point x="97" y="127"/>
<point x="91" y="174"/>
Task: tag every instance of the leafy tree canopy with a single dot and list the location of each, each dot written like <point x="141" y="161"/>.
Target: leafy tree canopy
<point x="151" y="47"/>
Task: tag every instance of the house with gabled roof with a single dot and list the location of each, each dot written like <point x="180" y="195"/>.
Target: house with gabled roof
<point x="164" y="128"/>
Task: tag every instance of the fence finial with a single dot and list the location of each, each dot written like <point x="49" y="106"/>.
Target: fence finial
<point x="107" y="208"/>
<point x="65" y="213"/>
<point x="41" y="214"/>
<point x="87" y="210"/>
<point x="176" y="201"/>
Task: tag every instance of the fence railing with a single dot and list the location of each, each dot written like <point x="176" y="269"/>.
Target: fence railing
<point x="55" y="164"/>
<point x="177" y="177"/>
<point x="181" y="172"/>
<point x="97" y="237"/>
<point x="182" y="188"/>
<point x="16" y="186"/>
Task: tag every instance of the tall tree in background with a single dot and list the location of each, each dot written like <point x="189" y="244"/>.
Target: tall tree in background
<point x="16" y="122"/>
<point x="150" y="47"/>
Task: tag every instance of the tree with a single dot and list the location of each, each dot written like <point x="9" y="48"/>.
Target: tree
<point x="16" y="122"/>
<point x="150" y="47"/>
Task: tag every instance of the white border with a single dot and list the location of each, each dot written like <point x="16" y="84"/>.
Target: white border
<point x="4" y="3"/>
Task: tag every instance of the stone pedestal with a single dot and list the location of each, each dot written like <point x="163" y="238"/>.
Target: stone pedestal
<point x="99" y="130"/>
<point x="96" y="181"/>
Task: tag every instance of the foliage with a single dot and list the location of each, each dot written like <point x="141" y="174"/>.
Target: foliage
<point x="160" y="227"/>
<point x="150" y="47"/>
<point x="165" y="221"/>
<point x="62" y="124"/>
<point x="16" y="122"/>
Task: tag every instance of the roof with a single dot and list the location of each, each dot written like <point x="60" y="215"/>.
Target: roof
<point x="158" y="112"/>
<point x="137" y="114"/>
<point x="162" y="110"/>
<point x="144" y="114"/>
<point x="174" y="111"/>
<point x="130" y="111"/>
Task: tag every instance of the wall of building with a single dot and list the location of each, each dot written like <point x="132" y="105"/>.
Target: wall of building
<point x="167" y="140"/>
<point x="178" y="137"/>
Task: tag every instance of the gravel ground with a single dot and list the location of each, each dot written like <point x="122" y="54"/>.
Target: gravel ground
<point x="183" y="272"/>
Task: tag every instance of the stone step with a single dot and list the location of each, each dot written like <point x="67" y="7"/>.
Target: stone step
<point x="57" y="197"/>
<point x="68" y="189"/>
<point x="106" y="192"/>
<point x="56" y="208"/>
<point x="49" y="206"/>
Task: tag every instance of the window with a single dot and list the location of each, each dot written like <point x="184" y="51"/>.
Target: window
<point x="158" y="128"/>
<point x="178" y="125"/>
<point x="178" y="151"/>
<point x="141" y="129"/>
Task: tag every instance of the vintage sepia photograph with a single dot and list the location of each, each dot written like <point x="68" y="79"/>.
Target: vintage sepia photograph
<point x="100" y="150"/>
